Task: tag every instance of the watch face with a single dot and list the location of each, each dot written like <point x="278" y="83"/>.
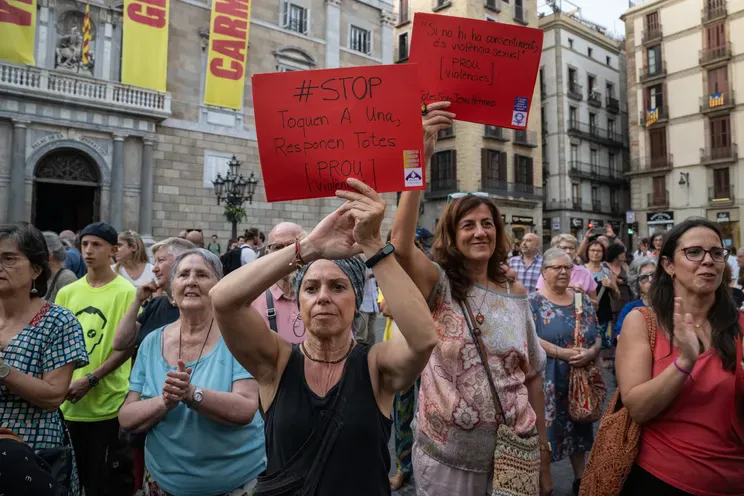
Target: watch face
<point x="388" y="249"/>
<point x="4" y="370"/>
<point x="198" y="395"/>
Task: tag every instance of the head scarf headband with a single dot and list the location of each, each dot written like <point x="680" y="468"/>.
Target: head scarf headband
<point x="354" y="269"/>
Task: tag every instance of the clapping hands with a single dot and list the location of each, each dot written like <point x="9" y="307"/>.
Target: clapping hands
<point x="177" y="387"/>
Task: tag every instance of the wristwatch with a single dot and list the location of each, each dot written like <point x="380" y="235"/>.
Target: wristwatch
<point x="384" y="252"/>
<point x="4" y="369"/>
<point x="197" y="398"/>
<point x="92" y="380"/>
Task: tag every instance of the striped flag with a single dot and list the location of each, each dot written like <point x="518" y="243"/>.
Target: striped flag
<point x="715" y="100"/>
<point x="86" y="35"/>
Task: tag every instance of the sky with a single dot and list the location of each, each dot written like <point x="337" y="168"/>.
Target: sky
<point x="603" y="12"/>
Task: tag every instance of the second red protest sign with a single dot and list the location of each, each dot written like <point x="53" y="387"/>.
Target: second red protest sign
<point x="317" y="128"/>
<point x="486" y="69"/>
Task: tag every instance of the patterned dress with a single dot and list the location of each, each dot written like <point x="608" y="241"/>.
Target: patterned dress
<point x="51" y="340"/>
<point x="555" y="324"/>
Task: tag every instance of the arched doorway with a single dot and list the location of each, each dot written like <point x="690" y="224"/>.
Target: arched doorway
<point x="67" y="191"/>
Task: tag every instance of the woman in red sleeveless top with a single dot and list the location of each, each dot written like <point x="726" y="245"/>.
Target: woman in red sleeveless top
<point x="683" y="391"/>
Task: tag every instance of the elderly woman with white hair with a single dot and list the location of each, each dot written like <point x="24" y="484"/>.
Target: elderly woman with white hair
<point x="194" y="400"/>
<point x="581" y="279"/>
<point x="640" y="273"/>
<point x="61" y="276"/>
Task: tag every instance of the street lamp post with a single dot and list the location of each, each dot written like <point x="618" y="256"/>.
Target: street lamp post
<point x="234" y="190"/>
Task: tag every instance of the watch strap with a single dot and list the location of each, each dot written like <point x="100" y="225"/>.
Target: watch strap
<point x="386" y="250"/>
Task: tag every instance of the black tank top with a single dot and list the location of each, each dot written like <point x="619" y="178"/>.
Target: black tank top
<point x="359" y="461"/>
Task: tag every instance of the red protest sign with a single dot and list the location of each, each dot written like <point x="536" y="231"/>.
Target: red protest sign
<point x="317" y="128"/>
<point x="486" y="69"/>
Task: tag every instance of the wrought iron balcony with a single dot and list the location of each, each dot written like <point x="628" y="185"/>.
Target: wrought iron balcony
<point x="721" y="196"/>
<point x="652" y="33"/>
<point x="651" y="73"/>
<point x="575" y="91"/>
<point x="612" y="104"/>
<point x="514" y="190"/>
<point x="717" y="102"/>
<point x="525" y="138"/>
<point x="713" y="55"/>
<point x="595" y="133"/>
<point x="714" y="11"/>
<point x="654" y="200"/>
<point x="594" y="99"/>
<point x="719" y="155"/>
<point x="496" y="133"/>
<point x="594" y="172"/>
<point x="659" y="163"/>
<point x="53" y="85"/>
<point x="660" y="116"/>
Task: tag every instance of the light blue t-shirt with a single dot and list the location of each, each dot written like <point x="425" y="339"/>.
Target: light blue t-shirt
<point x="187" y="453"/>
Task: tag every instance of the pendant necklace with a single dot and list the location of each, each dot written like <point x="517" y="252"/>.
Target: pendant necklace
<point x="479" y="316"/>
<point x="200" y="352"/>
<point x="329" y="362"/>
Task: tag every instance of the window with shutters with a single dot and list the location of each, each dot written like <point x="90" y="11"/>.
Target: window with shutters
<point x="612" y="162"/>
<point x="572" y="118"/>
<point x="294" y="17"/>
<point x="659" y="194"/>
<point x="658" y="146"/>
<point x="718" y="80"/>
<point x="523" y="170"/>
<point x="715" y="36"/>
<point x="720" y="135"/>
<point x="574" y="153"/>
<point x="595" y="197"/>
<point x="653" y="59"/>
<point x="444" y="171"/>
<point x="652" y="22"/>
<point x="594" y="157"/>
<point x="403" y="13"/>
<point x="593" y="127"/>
<point x="575" y="193"/>
<point x="721" y="184"/>
<point x="655" y="97"/>
<point x="493" y="169"/>
<point x="360" y="40"/>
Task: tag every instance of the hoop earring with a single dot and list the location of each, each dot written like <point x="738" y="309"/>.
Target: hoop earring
<point x="295" y="326"/>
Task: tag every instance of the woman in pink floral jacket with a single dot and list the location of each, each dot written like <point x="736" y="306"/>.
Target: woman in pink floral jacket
<point x="457" y="420"/>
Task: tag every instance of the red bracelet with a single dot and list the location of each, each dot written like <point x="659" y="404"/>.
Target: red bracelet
<point x="298" y="257"/>
<point x="688" y="372"/>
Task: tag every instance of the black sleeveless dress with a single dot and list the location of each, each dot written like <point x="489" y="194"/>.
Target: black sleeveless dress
<point x="358" y="461"/>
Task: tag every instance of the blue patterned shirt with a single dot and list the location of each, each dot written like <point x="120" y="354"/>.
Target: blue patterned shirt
<point x="51" y="340"/>
<point x="527" y="274"/>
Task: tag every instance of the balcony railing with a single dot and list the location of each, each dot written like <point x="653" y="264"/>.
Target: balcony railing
<point x="495" y="132"/>
<point x="520" y="14"/>
<point x="575" y="91"/>
<point x="612" y="104"/>
<point x="652" y="163"/>
<point x="55" y="85"/>
<point x="717" y="102"/>
<point x="594" y="172"/>
<point x="440" y="188"/>
<point x="515" y="190"/>
<point x="596" y="133"/>
<point x="494" y="5"/>
<point x="594" y="99"/>
<point x="715" y="155"/>
<point x="652" y="73"/>
<point x="652" y="33"/>
<point x="713" y="11"/>
<point x="660" y="116"/>
<point x="655" y="200"/>
<point x="721" y="196"/>
<point x="525" y="138"/>
<point x="714" y="55"/>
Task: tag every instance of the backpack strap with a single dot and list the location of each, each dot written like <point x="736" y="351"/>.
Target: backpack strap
<point x="271" y="311"/>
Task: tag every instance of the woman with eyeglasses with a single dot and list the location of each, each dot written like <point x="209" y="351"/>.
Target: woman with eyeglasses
<point x="555" y="312"/>
<point x="607" y="289"/>
<point x="685" y="390"/>
<point x="641" y="271"/>
<point x="484" y="379"/>
<point x="131" y="260"/>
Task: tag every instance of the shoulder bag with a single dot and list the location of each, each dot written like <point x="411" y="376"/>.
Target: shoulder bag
<point x="587" y="390"/>
<point x="616" y="445"/>
<point x="516" y="460"/>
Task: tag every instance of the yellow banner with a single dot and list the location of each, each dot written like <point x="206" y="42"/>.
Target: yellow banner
<point x="228" y="47"/>
<point x="17" y="30"/>
<point x="144" y="60"/>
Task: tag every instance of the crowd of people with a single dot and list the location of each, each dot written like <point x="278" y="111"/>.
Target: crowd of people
<point x="254" y="368"/>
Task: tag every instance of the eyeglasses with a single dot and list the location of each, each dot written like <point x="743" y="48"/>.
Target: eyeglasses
<point x="456" y="196"/>
<point x="559" y="268"/>
<point x="697" y="254"/>
<point x="644" y="278"/>
<point x="9" y="260"/>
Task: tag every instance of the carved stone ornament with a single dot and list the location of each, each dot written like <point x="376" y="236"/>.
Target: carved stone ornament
<point x="69" y="50"/>
<point x="67" y="165"/>
<point x="388" y="18"/>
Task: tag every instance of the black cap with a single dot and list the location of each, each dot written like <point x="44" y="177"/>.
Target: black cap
<point x="101" y="230"/>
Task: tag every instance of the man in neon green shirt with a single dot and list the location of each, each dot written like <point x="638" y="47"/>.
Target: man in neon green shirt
<point x="98" y="300"/>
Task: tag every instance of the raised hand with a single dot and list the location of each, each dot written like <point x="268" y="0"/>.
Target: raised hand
<point x="146" y="291"/>
<point x="365" y="207"/>
<point x="685" y="336"/>
<point x="177" y="386"/>
<point x="436" y="119"/>
<point x="333" y="237"/>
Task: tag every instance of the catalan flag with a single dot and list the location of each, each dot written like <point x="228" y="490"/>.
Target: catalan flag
<point x="715" y="100"/>
<point x="652" y="115"/>
<point x="86" y="35"/>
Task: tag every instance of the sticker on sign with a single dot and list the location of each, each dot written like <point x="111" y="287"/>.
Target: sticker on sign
<point x="413" y="177"/>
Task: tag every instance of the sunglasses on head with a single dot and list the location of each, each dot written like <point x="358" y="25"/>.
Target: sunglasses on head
<point x="456" y="196"/>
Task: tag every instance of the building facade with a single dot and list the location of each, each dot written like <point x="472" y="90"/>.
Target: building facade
<point x="76" y="145"/>
<point x="504" y="163"/>
<point x="584" y="126"/>
<point x="684" y="67"/>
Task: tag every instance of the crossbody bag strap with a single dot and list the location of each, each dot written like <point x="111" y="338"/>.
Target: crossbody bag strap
<point x="578" y="311"/>
<point x="475" y="333"/>
<point x="271" y="311"/>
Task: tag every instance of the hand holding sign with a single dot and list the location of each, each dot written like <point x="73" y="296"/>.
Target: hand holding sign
<point x="486" y="69"/>
<point x="436" y="118"/>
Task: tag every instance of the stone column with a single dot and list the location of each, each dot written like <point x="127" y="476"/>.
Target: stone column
<point x="116" y="206"/>
<point x="146" y="187"/>
<point x="387" y="23"/>
<point x="17" y="185"/>
<point x="42" y="27"/>
<point x="333" y="34"/>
